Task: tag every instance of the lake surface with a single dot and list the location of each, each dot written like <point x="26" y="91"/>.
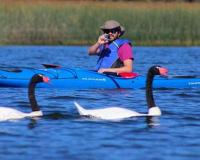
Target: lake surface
<point x="62" y="134"/>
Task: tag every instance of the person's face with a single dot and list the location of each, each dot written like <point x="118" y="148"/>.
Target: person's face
<point x="113" y="33"/>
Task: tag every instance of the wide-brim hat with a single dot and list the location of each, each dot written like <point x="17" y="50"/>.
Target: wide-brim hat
<point x="111" y="24"/>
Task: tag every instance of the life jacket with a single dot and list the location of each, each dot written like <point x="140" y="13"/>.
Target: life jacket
<point x="108" y="57"/>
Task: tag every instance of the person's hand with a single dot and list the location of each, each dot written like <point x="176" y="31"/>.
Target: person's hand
<point x="102" y="39"/>
<point x="102" y="70"/>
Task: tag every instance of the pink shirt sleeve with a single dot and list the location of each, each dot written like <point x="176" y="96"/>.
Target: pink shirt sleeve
<point x="125" y="52"/>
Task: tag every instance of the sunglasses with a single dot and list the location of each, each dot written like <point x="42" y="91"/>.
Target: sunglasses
<point x="113" y="31"/>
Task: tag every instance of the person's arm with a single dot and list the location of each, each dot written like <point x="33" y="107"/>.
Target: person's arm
<point x="94" y="49"/>
<point x="128" y="67"/>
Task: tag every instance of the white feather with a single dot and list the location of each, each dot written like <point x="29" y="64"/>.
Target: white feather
<point x="111" y="113"/>
<point x="11" y="114"/>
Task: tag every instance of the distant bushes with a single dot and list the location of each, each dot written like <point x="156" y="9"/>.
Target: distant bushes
<point x="78" y="23"/>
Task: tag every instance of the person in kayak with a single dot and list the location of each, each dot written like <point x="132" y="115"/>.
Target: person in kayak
<point x="115" y="54"/>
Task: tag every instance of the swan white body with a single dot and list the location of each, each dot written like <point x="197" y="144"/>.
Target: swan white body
<point x="7" y="113"/>
<point x="114" y="113"/>
<point x="13" y="114"/>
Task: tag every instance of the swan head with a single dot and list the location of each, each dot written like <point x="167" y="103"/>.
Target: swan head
<point x="158" y="70"/>
<point x="39" y="78"/>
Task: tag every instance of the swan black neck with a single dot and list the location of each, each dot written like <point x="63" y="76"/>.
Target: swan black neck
<point x="31" y="92"/>
<point x="149" y="91"/>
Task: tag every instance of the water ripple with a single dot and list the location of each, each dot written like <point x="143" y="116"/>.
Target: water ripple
<point x="62" y="134"/>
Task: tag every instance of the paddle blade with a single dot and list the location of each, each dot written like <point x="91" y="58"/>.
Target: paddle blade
<point x="51" y="66"/>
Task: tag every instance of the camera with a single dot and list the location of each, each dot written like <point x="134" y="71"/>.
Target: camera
<point x="107" y="37"/>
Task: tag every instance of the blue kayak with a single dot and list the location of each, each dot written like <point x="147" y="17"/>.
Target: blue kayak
<point x="76" y="78"/>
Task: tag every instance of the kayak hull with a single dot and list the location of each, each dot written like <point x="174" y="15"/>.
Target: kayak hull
<point x="75" y="78"/>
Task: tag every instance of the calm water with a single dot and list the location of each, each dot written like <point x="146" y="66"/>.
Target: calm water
<point x="62" y="134"/>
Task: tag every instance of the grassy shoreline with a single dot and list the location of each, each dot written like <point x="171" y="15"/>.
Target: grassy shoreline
<point x="77" y="23"/>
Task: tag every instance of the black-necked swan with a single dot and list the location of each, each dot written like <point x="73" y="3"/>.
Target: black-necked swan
<point x="7" y="113"/>
<point x="117" y="113"/>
